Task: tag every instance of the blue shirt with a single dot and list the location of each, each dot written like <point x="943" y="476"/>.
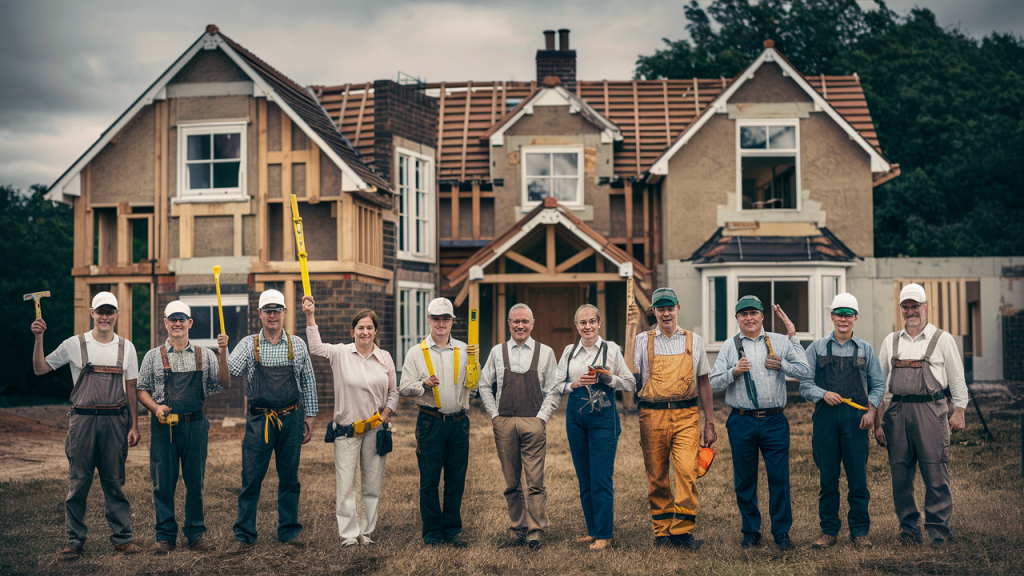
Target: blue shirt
<point x="243" y="361"/>
<point x="871" y="376"/>
<point x="770" y="384"/>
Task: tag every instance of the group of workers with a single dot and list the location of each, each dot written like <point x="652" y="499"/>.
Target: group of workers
<point x="520" y="386"/>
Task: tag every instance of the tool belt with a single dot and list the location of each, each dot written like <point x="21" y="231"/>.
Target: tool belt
<point x="758" y="413"/>
<point x="918" y="398"/>
<point x="461" y="415"/>
<point x="677" y="405"/>
<point x="99" y="410"/>
<point x="272" y="417"/>
<point x="352" y="430"/>
<point x="188" y="417"/>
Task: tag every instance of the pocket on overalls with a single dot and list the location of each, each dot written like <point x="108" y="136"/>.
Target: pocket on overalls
<point x="422" y="428"/>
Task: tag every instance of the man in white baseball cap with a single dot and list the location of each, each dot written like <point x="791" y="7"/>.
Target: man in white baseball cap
<point x="845" y="369"/>
<point x="922" y="368"/>
<point x="282" y="408"/>
<point x="174" y="382"/>
<point x="104" y="420"/>
<point x="434" y="374"/>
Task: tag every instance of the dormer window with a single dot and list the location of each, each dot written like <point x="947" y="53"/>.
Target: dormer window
<point x="768" y="165"/>
<point x="552" y="171"/>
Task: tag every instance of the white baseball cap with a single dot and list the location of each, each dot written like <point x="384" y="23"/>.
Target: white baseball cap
<point x="177" y="307"/>
<point x="440" y="307"/>
<point x="845" y="300"/>
<point x="272" y="298"/>
<point x="104" y="299"/>
<point x="913" y="292"/>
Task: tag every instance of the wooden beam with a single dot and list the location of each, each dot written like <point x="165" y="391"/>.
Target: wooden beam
<point x="157" y="205"/>
<point x="455" y="211"/>
<point x="124" y="235"/>
<point x="532" y="265"/>
<point x="289" y="301"/>
<point x="601" y="300"/>
<point x="628" y="188"/>
<point x="262" y="214"/>
<point x="944" y="287"/>
<point x="313" y="174"/>
<point x="636" y="130"/>
<point x="655" y="246"/>
<point x="287" y="236"/>
<point x="463" y="293"/>
<point x="502" y="308"/>
<point x="647" y="226"/>
<point x="962" y="297"/>
<point x="575" y="259"/>
<point x="90" y="216"/>
<point x="186" y="231"/>
<point x="82" y="303"/>
<point x="474" y="294"/>
<point x="476" y="210"/>
<point x="465" y="130"/>
<point x="550" y="278"/>
<point x="359" y="121"/>
<point x="124" y="306"/>
<point x="549" y="229"/>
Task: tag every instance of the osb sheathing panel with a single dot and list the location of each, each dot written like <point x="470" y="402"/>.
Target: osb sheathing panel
<point x="837" y="173"/>
<point x="172" y="234"/>
<point x="298" y="137"/>
<point x="214" y="236"/>
<point x="701" y="176"/>
<point x="210" y="66"/>
<point x="125" y="172"/>
<point x="769" y="86"/>
<point x="274" y="181"/>
<point x="320" y="231"/>
<point x="273" y="127"/>
<point x="249" y="236"/>
<point x="299" y="179"/>
<point x="330" y="177"/>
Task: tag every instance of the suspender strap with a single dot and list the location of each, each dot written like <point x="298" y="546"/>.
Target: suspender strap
<point x="165" y="359"/>
<point x="932" y="344"/>
<point x="199" y="357"/>
<point x="430" y="369"/>
<point x="167" y="362"/>
<point x="256" y="346"/>
<point x="120" y="352"/>
<point x="751" y="389"/>
<point x="504" y="356"/>
<point x="536" y="357"/>
<point x="85" y="350"/>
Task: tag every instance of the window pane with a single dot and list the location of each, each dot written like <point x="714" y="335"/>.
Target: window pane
<point x="538" y="189"/>
<point x="792" y="296"/>
<point x="769" y="182"/>
<point x="565" y="189"/>
<point x="538" y="164"/>
<point x="719" y="309"/>
<point x="403" y="165"/>
<point x="763" y="290"/>
<point x="202" y="327"/>
<point x="566" y="163"/>
<point x="782" y="137"/>
<point x="225" y="175"/>
<point x="199" y="147"/>
<point x="227" y="146"/>
<point x="829" y="289"/>
<point x="752" y="137"/>
<point x="235" y="323"/>
<point x="198" y="176"/>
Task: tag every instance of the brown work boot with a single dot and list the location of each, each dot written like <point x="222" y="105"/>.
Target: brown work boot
<point x="201" y="545"/>
<point x="862" y="542"/>
<point x="162" y="548"/>
<point x="70" y="552"/>
<point x="128" y="548"/>
<point x="825" y="541"/>
<point x="601" y="544"/>
<point x="584" y="539"/>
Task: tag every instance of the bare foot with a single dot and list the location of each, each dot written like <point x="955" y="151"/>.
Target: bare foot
<point x="584" y="539"/>
<point x="600" y="544"/>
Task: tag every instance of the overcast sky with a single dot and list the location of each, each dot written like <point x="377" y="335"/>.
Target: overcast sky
<point x="69" y="69"/>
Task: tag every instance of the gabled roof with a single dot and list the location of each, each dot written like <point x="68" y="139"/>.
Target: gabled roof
<point x="813" y="245"/>
<point x="300" y="105"/>
<point x="553" y="96"/>
<point x="878" y="162"/>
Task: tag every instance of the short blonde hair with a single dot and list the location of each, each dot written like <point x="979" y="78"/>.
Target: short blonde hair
<point x="576" y="317"/>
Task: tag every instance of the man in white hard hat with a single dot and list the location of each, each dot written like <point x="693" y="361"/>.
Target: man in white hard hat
<point x="922" y="366"/>
<point x="174" y="382"/>
<point x="846" y="388"/>
<point x="281" y="395"/>
<point x="434" y="375"/>
<point x="104" y="420"/>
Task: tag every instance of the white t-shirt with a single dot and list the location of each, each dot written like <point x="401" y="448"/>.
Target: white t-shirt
<point x="70" y="352"/>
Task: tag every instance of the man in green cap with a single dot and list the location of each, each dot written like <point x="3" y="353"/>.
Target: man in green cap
<point x="752" y="368"/>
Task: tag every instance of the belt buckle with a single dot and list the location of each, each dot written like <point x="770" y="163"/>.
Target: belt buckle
<point x="759" y="414"/>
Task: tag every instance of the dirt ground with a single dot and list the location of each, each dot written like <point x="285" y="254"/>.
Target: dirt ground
<point x="988" y="520"/>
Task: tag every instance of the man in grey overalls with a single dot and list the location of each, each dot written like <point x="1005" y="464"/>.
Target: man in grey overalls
<point x="174" y="382"/>
<point x="922" y="366"/>
<point x="281" y="395"/>
<point x="519" y="391"/>
<point x="104" y="420"/>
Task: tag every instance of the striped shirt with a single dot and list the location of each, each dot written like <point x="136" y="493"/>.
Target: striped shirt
<point x="152" y="378"/>
<point x="243" y="361"/>
<point x="665" y="346"/>
<point x="770" y="384"/>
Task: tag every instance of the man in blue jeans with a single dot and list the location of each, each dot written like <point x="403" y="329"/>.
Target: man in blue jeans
<point x="752" y="369"/>
<point x="845" y="367"/>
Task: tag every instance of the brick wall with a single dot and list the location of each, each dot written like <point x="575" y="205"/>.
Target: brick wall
<point x="1013" y="340"/>
<point x="560" y="63"/>
<point x="400" y="111"/>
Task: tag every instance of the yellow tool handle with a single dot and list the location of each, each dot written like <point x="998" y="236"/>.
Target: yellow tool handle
<point x="300" y="246"/>
<point x="769" y="343"/>
<point x="473" y="369"/>
<point x="854" y="404"/>
<point x="39" y="311"/>
<point x="220" y="308"/>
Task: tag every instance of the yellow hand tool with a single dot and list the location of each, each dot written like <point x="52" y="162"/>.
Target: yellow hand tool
<point x="220" y="308"/>
<point x="300" y="245"/>
<point x="854" y="404"/>
<point x="473" y="370"/>
<point x="36" y="296"/>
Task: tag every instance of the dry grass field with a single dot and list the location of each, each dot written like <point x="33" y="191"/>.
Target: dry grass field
<point x="988" y="521"/>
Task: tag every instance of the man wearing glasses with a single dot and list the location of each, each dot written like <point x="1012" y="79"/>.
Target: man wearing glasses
<point x="434" y="375"/>
<point x="922" y="367"/>
<point x="519" y="391"/>
<point x="104" y="420"/>
<point x="845" y="369"/>
<point x="174" y="382"/>
<point x="282" y="408"/>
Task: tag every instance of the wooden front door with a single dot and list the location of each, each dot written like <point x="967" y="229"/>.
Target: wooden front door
<point x="553" y="308"/>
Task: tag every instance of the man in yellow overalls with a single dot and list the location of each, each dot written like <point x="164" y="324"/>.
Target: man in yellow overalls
<point x="674" y="371"/>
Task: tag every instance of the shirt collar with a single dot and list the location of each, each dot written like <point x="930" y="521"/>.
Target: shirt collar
<point x="597" y="346"/>
<point x="925" y="334"/>
<point x="527" y="345"/>
<point x="167" y="344"/>
<point x="832" y="336"/>
<point x="760" y="335"/>
<point x="658" y="333"/>
<point x="376" y="353"/>
<point x="431" y="343"/>
<point x="284" y="334"/>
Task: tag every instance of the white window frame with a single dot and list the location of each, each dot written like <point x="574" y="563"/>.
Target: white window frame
<point x="429" y="218"/>
<point x="526" y="203"/>
<point x="742" y="152"/>
<point x="813" y="274"/>
<point x="413" y="315"/>
<point x="212" y="194"/>
<point x="210" y="300"/>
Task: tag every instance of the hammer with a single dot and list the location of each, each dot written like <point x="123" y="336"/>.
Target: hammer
<point x="36" y="296"/>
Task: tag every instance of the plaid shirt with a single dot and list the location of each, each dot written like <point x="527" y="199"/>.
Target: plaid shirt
<point x="151" y="373"/>
<point x="243" y="361"/>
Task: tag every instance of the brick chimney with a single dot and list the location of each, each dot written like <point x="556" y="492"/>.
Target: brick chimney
<point x="560" y="63"/>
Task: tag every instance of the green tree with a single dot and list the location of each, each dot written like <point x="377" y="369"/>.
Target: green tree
<point x="38" y="239"/>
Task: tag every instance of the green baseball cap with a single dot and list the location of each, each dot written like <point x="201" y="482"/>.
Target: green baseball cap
<point x="664" y="297"/>
<point x="749" y="302"/>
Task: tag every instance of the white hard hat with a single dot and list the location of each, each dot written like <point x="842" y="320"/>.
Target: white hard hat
<point x="272" y="298"/>
<point x="913" y="292"/>
<point x="104" y="299"/>
<point x="177" y="307"/>
<point x="440" y="307"/>
<point x="845" y="300"/>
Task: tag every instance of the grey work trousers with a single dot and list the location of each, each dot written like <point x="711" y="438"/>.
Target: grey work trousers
<point x="97" y="443"/>
<point x="521" y="444"/>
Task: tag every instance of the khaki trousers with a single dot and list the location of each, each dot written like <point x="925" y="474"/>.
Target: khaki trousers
<point x="671" y="435"/>
<point x="521" y="444"/>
